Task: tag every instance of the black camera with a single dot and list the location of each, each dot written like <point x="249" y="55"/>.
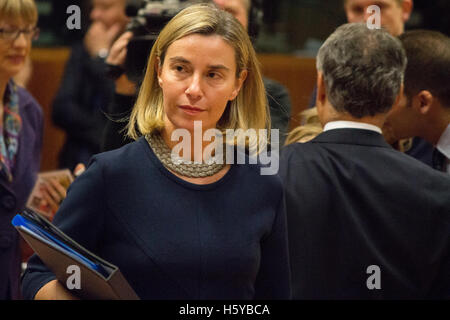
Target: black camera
<point x="148" y="18"/>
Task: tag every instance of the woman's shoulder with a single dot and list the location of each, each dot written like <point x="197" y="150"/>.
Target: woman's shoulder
<point x="30" y="110"/>
<point x="131" y="155"/>
<point x="27" y="102"/>
<point x="260" y="170"/>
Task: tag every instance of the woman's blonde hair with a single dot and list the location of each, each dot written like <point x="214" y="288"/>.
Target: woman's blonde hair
<point x="14" y="10"/>
<point x="247" y="111"/>
<point x="310" y="128"/>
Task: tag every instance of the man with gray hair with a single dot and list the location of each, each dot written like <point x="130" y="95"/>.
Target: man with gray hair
<point x="365" y="221"/>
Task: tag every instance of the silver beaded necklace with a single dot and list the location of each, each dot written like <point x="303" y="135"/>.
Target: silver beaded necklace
<point x="181" y="166"/>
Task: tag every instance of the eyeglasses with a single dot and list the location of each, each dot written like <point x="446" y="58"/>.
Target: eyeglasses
<point x="13" y="34"/>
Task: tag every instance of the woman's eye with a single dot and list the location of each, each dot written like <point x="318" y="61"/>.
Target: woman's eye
<point x="213" y="75"/>
<point x="179" y="68"/>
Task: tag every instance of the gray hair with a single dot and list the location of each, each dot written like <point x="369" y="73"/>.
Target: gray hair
<point x="363" y="69"/>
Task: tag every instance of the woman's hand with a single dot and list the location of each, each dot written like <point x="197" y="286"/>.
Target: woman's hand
<point x="54" y="290"/>
<point x="53" y="192"/>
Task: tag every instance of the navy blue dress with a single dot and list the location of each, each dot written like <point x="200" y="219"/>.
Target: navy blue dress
<point x="173" y="239"/>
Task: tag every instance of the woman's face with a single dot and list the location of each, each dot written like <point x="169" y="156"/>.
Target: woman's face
<point x="13" y="52"/>
<point x="198" y="78"/>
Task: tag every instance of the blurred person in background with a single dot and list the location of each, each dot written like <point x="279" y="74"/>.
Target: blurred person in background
<point x="85" y="92"/>
<point x="393" y="13"/>
<point x="21" y="123"/>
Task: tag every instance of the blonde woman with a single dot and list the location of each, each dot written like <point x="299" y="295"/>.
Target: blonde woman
<point x="214" y="233"/>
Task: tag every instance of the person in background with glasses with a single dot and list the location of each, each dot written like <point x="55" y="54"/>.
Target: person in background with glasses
<point x="21" y="127"/>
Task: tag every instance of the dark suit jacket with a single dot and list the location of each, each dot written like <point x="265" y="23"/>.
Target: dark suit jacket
<point x="354" y="202"/>
<point x="79" y="106"/>
<point x="13" y="195"/>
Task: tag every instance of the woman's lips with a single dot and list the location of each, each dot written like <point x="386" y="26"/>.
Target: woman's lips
<point x="17" y="59"/>
<point x="191" y="110"/>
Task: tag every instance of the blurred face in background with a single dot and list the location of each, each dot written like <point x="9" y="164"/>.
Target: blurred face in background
<point x="14" y="51"/>
<point x="394" y="13"/>
<point x="108" y="12"/>
<point x="238" y="8"/>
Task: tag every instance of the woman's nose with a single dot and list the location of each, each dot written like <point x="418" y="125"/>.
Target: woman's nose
<point x="194" y="90"/>
<point x="21" y="40"/>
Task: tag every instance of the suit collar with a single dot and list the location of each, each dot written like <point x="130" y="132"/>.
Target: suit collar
<point x="352" y="136"/>
<point x="443" y="144"/>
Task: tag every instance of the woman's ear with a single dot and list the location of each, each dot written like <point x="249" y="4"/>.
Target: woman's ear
<point x="239" y="82"/>
<point x="158" y="69"/>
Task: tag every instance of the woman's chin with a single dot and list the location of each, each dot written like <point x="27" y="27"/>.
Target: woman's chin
<point x="13" y="71"/>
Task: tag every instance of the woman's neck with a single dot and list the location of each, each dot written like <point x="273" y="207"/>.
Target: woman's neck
<point x="196" y="149"/>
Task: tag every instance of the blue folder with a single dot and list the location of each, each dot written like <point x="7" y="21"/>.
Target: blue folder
<point x="40" y="232"/>
<point x="99" y="278"/>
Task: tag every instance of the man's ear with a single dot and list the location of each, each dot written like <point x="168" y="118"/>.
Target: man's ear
<point x="399" y="96"/>
<point x="321" y="95"/>
<point x="239" y="82"/>
<point x="321" y="98"/>
<point x="407" y="7"/>
<point x="424" y="101"/>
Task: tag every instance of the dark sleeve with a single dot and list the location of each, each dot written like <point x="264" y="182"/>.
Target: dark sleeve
<point x="118" y="114"/>
<point x="80" y="217"/>
<point x="441" y="286"/>
<point x="273" y="280"/>
<point x="284" y="163"/>
<point x="280" y="107"/>
<point x="68" y="111"/>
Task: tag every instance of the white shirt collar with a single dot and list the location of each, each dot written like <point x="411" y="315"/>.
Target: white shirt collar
<point x="443" y="146"/>
<point x="351" y="124"/>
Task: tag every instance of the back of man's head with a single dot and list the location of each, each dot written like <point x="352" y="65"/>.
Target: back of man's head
<point x="362" y="69"/>
<point x="428" y="66"/>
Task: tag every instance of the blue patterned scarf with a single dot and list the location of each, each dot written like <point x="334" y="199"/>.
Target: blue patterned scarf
<point x="9" y="129"/>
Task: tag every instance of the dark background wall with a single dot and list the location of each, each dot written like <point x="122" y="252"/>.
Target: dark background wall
<point x="290" y="26"/>
<point x="299" y="26"/>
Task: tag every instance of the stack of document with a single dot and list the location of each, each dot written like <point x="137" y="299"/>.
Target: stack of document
<point x="98" y="279"/>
